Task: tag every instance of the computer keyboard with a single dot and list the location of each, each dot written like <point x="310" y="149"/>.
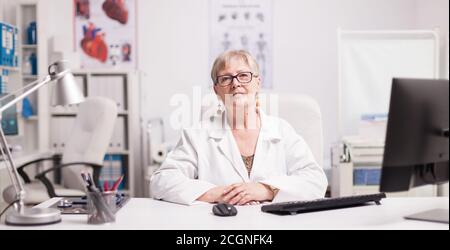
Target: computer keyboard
<point x="321" y="204"/>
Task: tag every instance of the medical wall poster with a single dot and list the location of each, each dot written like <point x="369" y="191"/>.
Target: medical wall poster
<point x="243" y="24"/>
<point x="105" y="33"/>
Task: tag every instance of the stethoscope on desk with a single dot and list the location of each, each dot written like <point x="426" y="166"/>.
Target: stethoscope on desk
<point x="65" y="203"/>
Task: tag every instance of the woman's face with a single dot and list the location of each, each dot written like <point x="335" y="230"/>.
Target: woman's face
<point x="238" y="84"/>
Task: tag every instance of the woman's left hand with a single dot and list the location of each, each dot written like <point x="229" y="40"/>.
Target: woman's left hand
<point x="245" y="193"/>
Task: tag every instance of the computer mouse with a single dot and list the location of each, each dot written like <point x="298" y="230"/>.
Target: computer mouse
<point x="224" y="210"/>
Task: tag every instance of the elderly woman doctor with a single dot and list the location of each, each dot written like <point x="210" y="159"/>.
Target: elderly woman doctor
<point x="244" y="158"/>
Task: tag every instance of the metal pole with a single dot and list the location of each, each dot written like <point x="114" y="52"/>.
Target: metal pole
<point x="4" y="147"/>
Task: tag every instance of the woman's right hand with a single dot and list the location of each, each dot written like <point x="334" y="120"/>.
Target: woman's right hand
<point x="214" y="195"/>
<point x="217" y="195"/>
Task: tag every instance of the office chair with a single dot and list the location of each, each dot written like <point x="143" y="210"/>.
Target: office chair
<point x="303" y="114"/>
<point x="300" y="111"/>
<point x="84" y="151"/>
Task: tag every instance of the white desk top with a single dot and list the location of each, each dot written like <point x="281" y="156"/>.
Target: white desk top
<point x="156" y="215"/>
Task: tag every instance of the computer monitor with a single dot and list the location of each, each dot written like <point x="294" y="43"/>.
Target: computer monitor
<point x="417" y="140"/>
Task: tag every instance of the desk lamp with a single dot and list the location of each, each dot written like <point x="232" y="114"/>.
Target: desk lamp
<point x="65" y="92"/>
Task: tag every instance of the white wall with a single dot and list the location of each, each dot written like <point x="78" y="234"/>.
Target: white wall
<point x="174" y="48"/>
<point x="173" y="44"/>
<point x="8" y="11"/>
<point x="435" y="14"/>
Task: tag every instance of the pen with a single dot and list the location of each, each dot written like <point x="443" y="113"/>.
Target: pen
<point x="87" y="182"/>
<point x="117" y="183"/>
<point x="83" y="175"/>
<point x="105" y="186"/>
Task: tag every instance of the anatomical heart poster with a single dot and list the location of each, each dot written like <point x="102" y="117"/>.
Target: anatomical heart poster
<point x="105" y="33"/>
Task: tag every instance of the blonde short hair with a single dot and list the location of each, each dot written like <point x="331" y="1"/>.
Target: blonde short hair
<point x="224" y="59"/>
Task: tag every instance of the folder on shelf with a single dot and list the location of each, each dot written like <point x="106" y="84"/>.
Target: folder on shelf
<point x="113" y="169"/>
<point x="15" y="47"/>
<point x="117" y="143"/>
<point x="112" y="87"/>
<point x="119" y="93"/>
<point x="367" y="176"/>
<point x="3" y="38"/>
<point x="61" y="130"/>
<point x="8" y="48"/>
<point x="4" y="79"/>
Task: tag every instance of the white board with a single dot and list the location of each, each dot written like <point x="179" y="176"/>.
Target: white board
<point x="369" y="60"/>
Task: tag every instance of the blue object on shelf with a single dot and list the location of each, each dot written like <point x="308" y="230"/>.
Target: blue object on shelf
<point x="32" y="33"/>
<point x="4" y="81"/>
<point x="9" y="121"/>
<point x="27" y="108"/>
<point x="374" y="117"/>
<point x="33" y="61"/>
<point x="8" y="45"/>
<point x="367" y="176"/>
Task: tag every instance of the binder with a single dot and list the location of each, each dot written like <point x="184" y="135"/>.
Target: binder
<point x="9" y="45"/>
<point x="80" y="83"/>
<point x="113" y="169"/>
<point x="4" y="79"/>
<point x="119" y="92"/>
<point x="8" y="48"/>
<point x="112" y="87"/>
<point x="3" y="38"/>
<point x="117" y="143"/>
<point x="15" y="47"/>
<point x="367" y="176"/>
<point x="61" y="131"/>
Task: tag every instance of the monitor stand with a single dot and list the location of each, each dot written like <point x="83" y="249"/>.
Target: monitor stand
<point x="436" y="215"/>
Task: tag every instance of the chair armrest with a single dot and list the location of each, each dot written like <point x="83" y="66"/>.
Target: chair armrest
<point x="49" y="186"/>
<point x="21" y="169"/>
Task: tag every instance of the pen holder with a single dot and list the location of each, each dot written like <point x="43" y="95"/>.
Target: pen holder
<point x="101" y="207"/>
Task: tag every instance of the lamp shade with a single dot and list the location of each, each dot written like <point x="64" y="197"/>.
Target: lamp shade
<point x="65" y="89"/>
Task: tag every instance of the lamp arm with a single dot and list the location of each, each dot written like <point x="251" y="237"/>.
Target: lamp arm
<point x="12" y="171"/>
<point x="4" y="147"/>
<point x="7" y="96"/>
<point x="37" y="85"/>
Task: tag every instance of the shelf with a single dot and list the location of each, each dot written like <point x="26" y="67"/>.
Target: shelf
<point x="118" y="153"/>
<point x="102" y="72"/>
<point x="29" y="46"/>
<point x="64" y="114"/>
<point x="125" y="113"/>
<point x="15" y="69"/>
<point x="33" y="118"/>
<point x="30" y="77"/>
<point x="361" y="190"/>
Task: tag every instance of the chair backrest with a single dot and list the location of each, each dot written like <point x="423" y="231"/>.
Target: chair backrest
<point x="303" y="113"/>
<point x="89" y="138"/>
<point x="300" y="111"/>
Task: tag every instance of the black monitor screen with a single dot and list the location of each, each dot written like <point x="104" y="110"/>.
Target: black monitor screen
<point x="417" y="142"/>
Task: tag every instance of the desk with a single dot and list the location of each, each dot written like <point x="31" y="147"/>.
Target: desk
<point x="156" y="215"/>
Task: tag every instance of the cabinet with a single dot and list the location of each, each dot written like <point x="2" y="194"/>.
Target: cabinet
<point x="25" y="132"/>
<point x="356" y="170"/>
<point x="32" y="64"/>
<point x="117" y="86"/>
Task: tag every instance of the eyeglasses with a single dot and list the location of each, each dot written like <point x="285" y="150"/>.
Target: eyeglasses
<point x="227" y="80"/>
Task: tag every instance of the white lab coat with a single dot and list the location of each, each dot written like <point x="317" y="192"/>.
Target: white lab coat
<point x="208" y="156"/>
